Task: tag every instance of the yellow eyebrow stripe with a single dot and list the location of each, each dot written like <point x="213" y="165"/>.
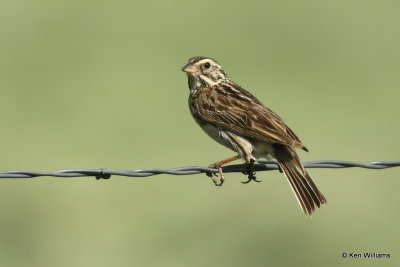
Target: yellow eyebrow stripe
<point x="204" y="61"/>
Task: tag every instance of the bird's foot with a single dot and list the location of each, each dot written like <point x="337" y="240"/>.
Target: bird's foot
<point x="250" y="178"/>
<point x="217" y="165"/>
<point x="214" y="175"/>
<point x="249" y="170"/>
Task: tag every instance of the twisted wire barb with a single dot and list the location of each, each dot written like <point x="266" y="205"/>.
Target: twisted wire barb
<point x="261" y="166"/>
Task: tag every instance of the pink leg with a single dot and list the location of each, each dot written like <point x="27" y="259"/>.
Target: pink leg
<point x="217" y="165"/>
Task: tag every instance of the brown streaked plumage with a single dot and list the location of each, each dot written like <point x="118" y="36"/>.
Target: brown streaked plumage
<point x="236" y="119"/>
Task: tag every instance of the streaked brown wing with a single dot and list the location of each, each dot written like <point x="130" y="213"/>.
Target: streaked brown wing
<point x="235" y="109"/>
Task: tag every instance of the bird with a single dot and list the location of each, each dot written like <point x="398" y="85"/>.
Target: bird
<point x="239" y="121"/>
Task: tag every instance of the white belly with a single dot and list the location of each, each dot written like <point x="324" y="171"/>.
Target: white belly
<point x="263" y="150"/>
<point x="218" y="135"/>
<point x="244" y="147"/>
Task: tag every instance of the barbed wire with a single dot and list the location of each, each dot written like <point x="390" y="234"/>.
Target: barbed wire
<point x="104" y="173"/>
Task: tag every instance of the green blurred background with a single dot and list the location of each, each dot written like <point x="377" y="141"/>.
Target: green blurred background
<point x="97" y="84"/>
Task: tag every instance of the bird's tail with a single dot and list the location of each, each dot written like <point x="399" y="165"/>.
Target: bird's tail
<point x="304" y="188"/>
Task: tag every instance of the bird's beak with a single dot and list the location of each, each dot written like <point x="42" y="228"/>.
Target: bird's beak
<point x="190" y="69"/>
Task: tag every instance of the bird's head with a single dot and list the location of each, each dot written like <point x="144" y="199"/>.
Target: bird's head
<point x="204" y="71"/>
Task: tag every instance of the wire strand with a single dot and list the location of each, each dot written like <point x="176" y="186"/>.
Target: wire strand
<point x="189" y="170"/>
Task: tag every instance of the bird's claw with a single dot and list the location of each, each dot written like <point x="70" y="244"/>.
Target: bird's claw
<point x="214" y="175"/>
<point x="249" y="171"/>
<point x="250" y="178"/>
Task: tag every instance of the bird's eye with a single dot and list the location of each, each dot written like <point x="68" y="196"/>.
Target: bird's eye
<point x="207" y="65"/>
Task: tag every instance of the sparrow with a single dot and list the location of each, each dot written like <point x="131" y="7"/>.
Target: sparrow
<point x="236" y="119"/>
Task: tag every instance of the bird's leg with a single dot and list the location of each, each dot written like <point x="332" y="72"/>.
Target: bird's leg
<point x="217" y="165"/>
<point x="250" y="172"/>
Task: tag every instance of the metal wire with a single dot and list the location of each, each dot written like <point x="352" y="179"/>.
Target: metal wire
<point x="262" y="166"/>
